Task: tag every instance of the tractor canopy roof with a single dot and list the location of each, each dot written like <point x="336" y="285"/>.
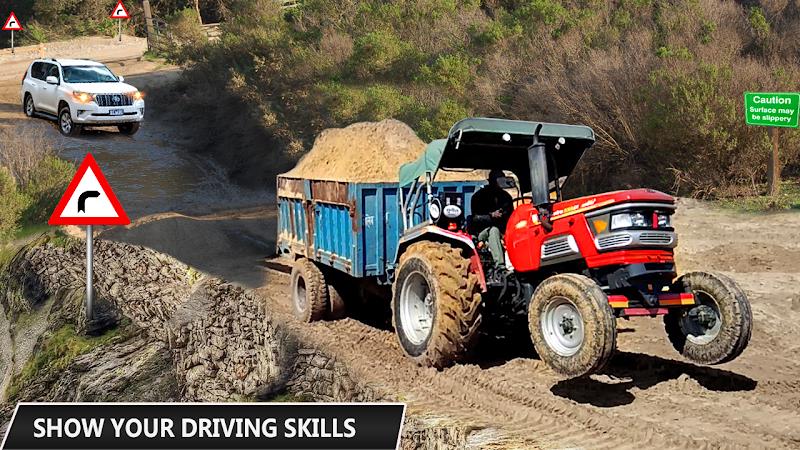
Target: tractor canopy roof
<point x="482" y="143"/>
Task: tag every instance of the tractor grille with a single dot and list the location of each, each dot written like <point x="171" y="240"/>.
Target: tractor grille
<point x="113" y="100"/>
<point x="614" y="240"/>
<point x="559" y="246"/>
<point x="636" y="238"/>
<point x="655" y="238"/>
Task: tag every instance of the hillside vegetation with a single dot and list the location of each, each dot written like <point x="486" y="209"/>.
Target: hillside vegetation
<point x="661" y="82"/>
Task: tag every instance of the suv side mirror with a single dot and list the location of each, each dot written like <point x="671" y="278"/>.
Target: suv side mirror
<point x="51" y="80"/>
<point x="121" y="78"/>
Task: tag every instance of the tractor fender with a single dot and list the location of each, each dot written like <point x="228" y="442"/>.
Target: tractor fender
<point x="436" y="234"/>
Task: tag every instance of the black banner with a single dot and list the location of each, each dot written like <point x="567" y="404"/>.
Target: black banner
<point x="205" y="426"/>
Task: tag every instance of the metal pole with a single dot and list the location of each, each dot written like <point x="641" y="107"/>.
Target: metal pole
<point x="119" y="21"/>
<point x="89" y="272"/>
<point x="12" y="42"/>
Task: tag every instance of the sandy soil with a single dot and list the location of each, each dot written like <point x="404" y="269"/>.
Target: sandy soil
<point x="648" y="397"/>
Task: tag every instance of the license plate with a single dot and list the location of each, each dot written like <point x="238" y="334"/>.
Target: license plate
<point x="116" y="112"/>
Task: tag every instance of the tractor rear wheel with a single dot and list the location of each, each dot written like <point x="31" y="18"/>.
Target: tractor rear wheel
<point x="436" y="301"/>
<point x="572" y="325"/>
<point x="718" y="328"/>
<point x="308" y="291"/>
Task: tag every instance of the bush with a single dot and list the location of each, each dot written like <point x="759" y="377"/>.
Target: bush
<point x="32" y="180"/>
<point x="660" y="82"/>
<point x="11" y="205"/>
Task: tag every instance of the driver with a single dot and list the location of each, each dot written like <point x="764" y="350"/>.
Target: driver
<point x="491" y="208"/>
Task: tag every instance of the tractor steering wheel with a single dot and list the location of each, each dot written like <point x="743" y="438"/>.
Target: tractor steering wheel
<point x="522" y="199"/>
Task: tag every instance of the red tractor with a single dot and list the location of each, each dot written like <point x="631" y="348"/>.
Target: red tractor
<point x="560" y="270"/>
<point x="572" y="266"/>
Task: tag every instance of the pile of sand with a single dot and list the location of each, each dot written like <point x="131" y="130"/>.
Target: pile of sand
<point x="364" y="152"/>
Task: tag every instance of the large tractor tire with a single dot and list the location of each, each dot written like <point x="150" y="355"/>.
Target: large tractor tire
<point x="718" y="328"/>
<point x="309" y="291"/>
<point x="436" y="304"/>
<point x="572" y="326"/>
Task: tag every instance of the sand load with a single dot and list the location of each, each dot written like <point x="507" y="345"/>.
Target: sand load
<point x="366" y="152"/>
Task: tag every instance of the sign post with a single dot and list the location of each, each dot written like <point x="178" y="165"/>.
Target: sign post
<point x="89" y="201"/>
<point x="775" y="110"/>
<point x="119" y="13"/>
<point x="12" y="24"/>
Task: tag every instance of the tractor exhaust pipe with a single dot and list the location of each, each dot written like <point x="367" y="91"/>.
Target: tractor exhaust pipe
<point x="537" y="163"/>
<point x="540" y="185"/>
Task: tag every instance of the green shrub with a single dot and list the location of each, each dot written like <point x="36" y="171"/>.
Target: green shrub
<point x="34" y="34"/>
<point x="11" y="205"/>
<point x="451" y="71"/>
<point x="377" y="53"/>
<point x="48" y="181"/>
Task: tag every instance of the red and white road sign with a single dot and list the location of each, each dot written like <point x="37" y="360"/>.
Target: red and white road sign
<point x="89" y="200"/>
<point x="120" y="12"/>
<point x="12" y="23"/>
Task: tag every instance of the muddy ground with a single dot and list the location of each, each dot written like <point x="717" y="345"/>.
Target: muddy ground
<point x="184" y="206"/>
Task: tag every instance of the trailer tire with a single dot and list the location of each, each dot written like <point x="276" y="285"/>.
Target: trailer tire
<point x="337" y="308"/>
<point x="309" y="292"/>
<point x="733" y="319"/>
<point x="572" y="326"/>
<point x="436" y="278"/>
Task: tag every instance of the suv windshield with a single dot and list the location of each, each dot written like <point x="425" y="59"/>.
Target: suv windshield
<point x="88" y="74"/>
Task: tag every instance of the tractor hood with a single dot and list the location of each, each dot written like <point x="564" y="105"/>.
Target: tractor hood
<point x="593" y="202"/>
<point x="483" y="143"/>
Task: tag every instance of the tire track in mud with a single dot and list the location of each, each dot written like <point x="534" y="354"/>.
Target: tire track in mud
<point x="517" y="396"/>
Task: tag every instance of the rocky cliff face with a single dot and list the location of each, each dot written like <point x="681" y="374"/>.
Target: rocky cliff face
<point x="179" y="336"/>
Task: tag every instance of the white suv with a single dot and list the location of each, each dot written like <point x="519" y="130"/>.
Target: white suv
<point x="78" y="92"/>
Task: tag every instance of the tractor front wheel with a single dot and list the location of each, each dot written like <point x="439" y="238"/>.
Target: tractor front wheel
<point x="572" y="325"/>
<point x="435" y="304"/>
<point x="718" y="327"/>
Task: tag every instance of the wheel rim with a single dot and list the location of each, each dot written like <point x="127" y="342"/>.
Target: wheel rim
<point x="300" y="294"/>
<point x="702" y="323"/>
<point x="66" y="122"/>
<point x="562" y="325"/>
<point x="416" y="308"/>
<point x="29" y="106"/>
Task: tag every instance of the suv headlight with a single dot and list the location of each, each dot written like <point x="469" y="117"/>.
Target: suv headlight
<point x="628" y="220"/>
<point x="138" y="95"/>
<point x="83" y="97"/>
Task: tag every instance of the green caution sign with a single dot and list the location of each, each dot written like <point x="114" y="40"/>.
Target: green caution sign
<point x="772" y="109"/>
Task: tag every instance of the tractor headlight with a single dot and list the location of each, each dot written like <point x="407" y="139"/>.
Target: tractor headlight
<point x="628" y="220"/>
<point x="434" y="210"/>
<point x="664" y="221"/>
<point x="452" y="211"/>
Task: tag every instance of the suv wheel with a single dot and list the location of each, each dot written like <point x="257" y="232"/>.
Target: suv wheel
<point x="28" y="107"/>
<point x="65" y="124"/>
<point x="128" y="128"/>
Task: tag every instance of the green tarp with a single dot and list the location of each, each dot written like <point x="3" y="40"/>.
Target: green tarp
<point x="427" y="163"/>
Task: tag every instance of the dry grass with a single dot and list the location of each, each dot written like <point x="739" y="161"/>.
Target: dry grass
<point x="23" y="150"/>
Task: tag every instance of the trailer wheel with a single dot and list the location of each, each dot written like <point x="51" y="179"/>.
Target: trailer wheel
<point x="436" y="304"/>
<point x="718" y="328"/>
<point x="308" y="291"/>
<point x="337" y="308"/>
<point x="572" y="325"/>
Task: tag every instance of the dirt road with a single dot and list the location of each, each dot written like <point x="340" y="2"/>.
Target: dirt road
<point x="647" y="398"/>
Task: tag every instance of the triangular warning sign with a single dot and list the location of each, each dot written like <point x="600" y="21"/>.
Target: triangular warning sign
<point x="89" y="200"/>
<point x="120" y="12"/>
<point x="12" y="23"/>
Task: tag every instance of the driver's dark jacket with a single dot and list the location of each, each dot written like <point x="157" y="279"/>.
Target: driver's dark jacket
<point x="488" y="199"/>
